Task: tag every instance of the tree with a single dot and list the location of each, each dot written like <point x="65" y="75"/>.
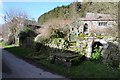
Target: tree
<point x="14" y="18"/>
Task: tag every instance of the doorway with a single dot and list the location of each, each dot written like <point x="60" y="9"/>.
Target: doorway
<point x="85" y="28"/>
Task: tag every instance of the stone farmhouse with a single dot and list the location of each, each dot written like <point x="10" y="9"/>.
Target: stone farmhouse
<point x="93" y="21"/>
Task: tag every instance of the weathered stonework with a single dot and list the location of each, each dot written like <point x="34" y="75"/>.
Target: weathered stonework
<point x="111" y="55"/>
<point x="109" y="50"/>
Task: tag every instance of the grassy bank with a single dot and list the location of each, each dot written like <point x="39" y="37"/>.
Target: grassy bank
<point x="85" y="69"/>
<point x="3" y="45"/>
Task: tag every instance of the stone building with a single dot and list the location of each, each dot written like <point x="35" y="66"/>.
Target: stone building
<point x="93" y="21"/>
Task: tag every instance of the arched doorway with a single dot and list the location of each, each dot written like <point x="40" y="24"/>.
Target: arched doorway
<point x="97" y="45"/>
<point x="85" y="28"/>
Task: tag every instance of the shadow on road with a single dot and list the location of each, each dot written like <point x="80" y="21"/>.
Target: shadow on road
<point x="5" y="68"/>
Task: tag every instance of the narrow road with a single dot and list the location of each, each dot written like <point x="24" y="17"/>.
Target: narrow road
<point x="13" y="67"/>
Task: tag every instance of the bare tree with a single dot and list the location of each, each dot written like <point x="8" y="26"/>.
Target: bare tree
<point x="14" y="20"/>
<point x="14" y="13"/>
<point x="52" y="25"/>
<point x="57" y="23"/>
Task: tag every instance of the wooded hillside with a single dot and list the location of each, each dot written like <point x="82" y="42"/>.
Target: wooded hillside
<point x="77" y="10"/>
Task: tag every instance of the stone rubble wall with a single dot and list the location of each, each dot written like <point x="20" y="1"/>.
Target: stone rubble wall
<point x="111" y="55"/>
<point x="110" y="50"/>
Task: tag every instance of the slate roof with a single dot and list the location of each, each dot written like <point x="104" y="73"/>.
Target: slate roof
<point x="97" y="17"/>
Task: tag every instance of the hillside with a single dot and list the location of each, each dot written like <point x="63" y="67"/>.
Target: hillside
<point x="63" y="12"/>
<point x="77" y="10"/>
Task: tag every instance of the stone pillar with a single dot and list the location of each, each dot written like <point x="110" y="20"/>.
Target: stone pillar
<point x="89" y="48"/>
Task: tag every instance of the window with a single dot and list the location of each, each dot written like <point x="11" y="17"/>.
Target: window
<point x="102" y="23"/>
<point x="85" y="29"/>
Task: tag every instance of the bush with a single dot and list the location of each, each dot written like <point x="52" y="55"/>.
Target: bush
<point x="92" y="35"/>
<point x="100" y="37"/>
<point x="26" y="32"/>
<point x="81" y="36"/>
<point x="77" y="50"/>
<point x="96" y="54"/>
<point x="66" y="43"/>
<point x="11" y="40"/>
<point x="57" y="34"/>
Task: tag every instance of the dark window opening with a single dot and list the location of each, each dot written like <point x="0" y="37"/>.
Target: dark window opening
<point x="85" y="29"/>
<point x="78" y="29"/>
<point x="102" y="23"/>
<point x="72" y="29"/>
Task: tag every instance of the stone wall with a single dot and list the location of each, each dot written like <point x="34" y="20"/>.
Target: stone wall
<point x="111" y="55"/>
<point x="110" y="51"/>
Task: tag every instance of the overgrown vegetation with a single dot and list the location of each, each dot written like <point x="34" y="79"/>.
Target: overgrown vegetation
<point x="86" y="69"/>
<point x="26" y="32"/>
<point x="11" y="39"/>
<point x="96" y="55"/>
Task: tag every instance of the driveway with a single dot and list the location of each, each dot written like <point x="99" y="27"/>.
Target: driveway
<point x="13" y="67"/>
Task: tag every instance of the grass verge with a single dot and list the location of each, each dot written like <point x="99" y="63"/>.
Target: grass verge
<point x="85" y="69"/>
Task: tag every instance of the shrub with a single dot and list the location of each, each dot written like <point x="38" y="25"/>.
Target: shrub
<point x="57" y="34"/>
<point x="92" y="35"/>
<point x="81" y="36"/>
<point x="26" y="32"/>
<point x="11" y="40"/>
<point x="96" y="54"/>
<point x="99" y="37"/>
<point x="77" y="50"/>
<point x="66" y="43"/>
